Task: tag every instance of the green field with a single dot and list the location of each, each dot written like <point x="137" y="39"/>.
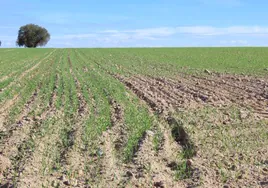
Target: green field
<point x="145" y="117"/>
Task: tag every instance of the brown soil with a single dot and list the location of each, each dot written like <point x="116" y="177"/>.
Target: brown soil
<point x="168" y="95"/>
<point x="154" y="169"/>
<point x="18" y="132"/>
<point x="4" y="165"/>
<point x="112" y="139"/>
<point x="35" y="166"/>
<point x="4" y="78"/>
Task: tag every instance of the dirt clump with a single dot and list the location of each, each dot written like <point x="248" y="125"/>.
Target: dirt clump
<point x="5" y="163"/>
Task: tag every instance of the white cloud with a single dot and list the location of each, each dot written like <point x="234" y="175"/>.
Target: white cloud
<point x="164" y="36"/>
<point x="234" y="30"/>
<point x="162" y="32"/>
<point x="244" y="42"/>
<point x="151" y="32"/>
<point x="197" y="30"/>
<point x="235" y="42"/>
<point x="75" y="36"/>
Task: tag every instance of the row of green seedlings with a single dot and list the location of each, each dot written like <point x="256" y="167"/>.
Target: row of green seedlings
<point x="136" y="116"/>
<point x="183" y="168"/>
<point x="62" y="117"/>
<point x="14" y="69"/>
<point x="126" y="62"/>
<point x="28" y="85"/>
<point x="70" y="116"/>
<point x="67" y="103"/>
<point x="11" y="61"/>
<point x="39" y="127"/>
<point x="9" y="92"/>
<point x="66" y="121"/>
<point x="5" y="83"/>
<point x="99" y="117"/>
<point x="135" y="61"/>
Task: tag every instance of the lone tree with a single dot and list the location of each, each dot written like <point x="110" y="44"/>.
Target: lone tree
<point x="32" y="35"/>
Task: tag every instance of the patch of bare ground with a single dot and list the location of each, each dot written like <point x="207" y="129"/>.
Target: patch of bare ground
<point x="151" y="168"/>
<point x="14" y="135"/>
<point x="189" y="92"/>
<point x="112" y="170"/>
<point x="37" y="163"/>
<point x="24" y="163"/>
<point x="4" y="78"/>
<point x="37" y="166"/>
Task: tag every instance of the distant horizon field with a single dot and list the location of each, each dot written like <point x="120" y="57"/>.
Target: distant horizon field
<point x="241" y="60"/>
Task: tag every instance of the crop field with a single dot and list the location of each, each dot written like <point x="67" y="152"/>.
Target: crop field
<point x="151" y="117"/>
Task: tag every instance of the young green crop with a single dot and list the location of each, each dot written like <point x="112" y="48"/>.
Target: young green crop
<point x="171" y="61"/>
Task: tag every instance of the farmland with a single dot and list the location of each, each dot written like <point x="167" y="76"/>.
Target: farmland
<point x="154" y="117"/>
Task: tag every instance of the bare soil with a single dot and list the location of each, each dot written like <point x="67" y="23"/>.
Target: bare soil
<point x="183" y="94"/>
<point x="190" y="92"/>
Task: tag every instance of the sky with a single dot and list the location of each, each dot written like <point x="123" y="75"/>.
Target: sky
<point x="139" y="23"/>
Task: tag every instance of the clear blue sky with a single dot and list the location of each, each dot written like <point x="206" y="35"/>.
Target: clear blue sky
<point x="124" y="23"/>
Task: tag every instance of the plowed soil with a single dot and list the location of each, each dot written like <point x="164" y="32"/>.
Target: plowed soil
<point x="192" y="95"/>
<point x="188" y="92"/>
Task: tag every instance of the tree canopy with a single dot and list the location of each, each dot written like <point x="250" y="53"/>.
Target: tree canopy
<point x="32" y="35"/>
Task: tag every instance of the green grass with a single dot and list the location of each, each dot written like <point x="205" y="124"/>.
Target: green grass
<point x="171" y="61"/>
